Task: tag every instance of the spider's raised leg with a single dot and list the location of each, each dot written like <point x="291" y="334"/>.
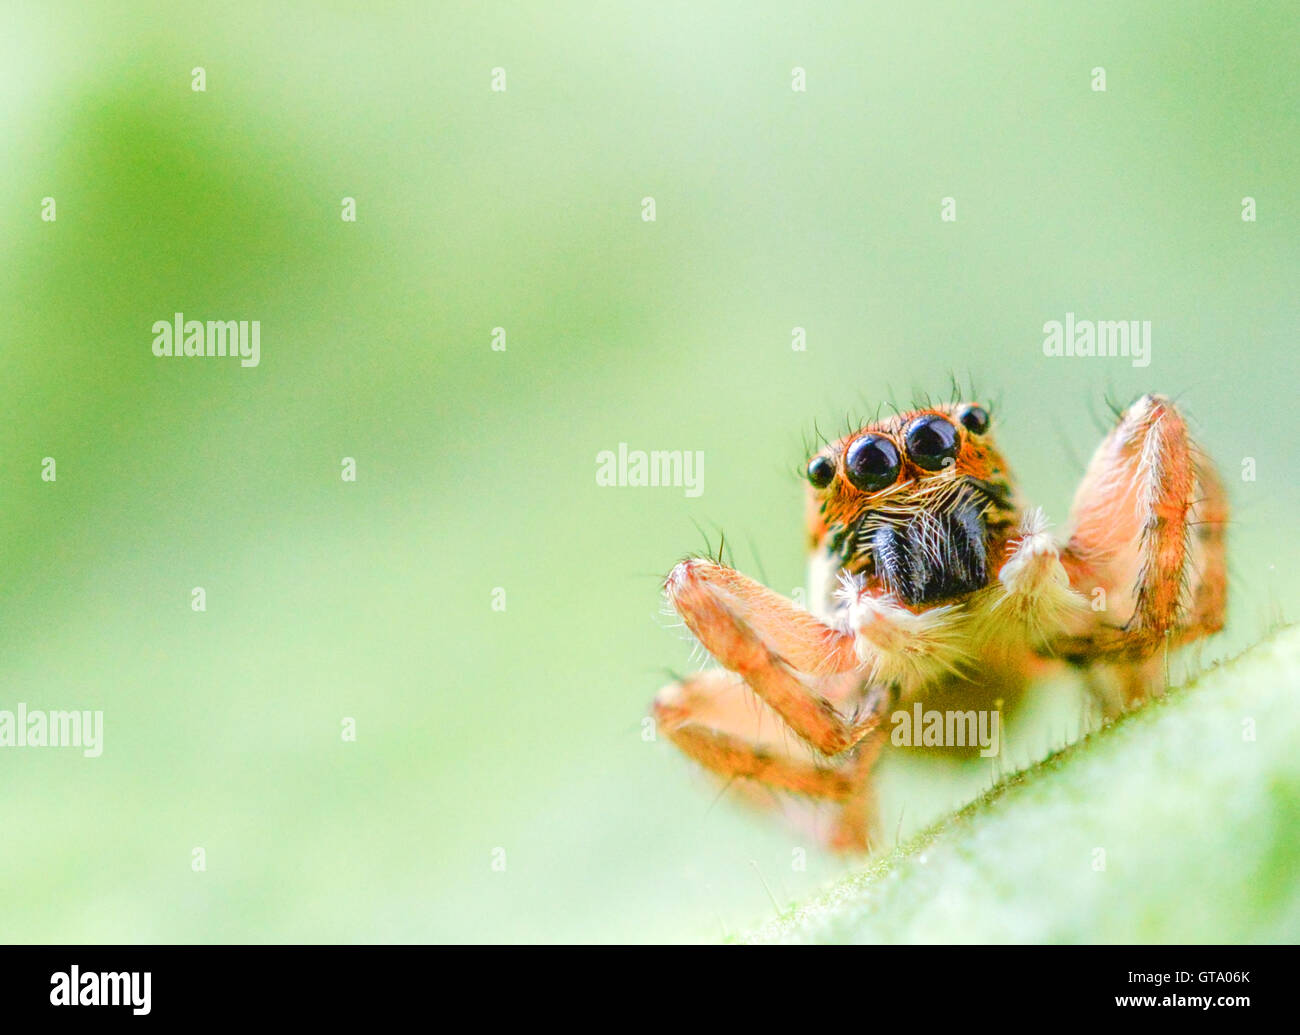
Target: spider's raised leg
<point x="768" y="642"/>
<point x="714" y="718"/>
<point x="852" y="829"/>
<point x="803" y="667"/>
<point x="1147" y="540"/>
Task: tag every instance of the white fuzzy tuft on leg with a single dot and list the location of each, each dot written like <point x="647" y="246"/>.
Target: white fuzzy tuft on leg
<point x="1036" y="590"/>
<point x="896" y="645"/>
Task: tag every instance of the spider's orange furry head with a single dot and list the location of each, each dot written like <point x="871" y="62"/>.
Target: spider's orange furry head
<point x="919" y="503"/>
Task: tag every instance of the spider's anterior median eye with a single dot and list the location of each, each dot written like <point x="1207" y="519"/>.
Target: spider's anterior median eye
<point x="974" y="419"/>
<point x="872" y="463"/>
<point x="931" y="442"/>
<point x="820" y="471"/>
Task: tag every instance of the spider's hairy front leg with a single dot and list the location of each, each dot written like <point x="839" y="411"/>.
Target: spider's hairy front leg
<point x="767" y="641"/>
<point x="715" y="719"/>
<point x="852" y="829"/>
<point x="1148" y="532"/>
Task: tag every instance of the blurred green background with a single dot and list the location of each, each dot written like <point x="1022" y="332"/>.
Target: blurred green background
<point x="776" y="209"/>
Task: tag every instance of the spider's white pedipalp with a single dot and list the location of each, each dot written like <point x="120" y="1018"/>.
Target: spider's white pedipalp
<point x="898" y="646"/>
<point x="1034" y="589"/>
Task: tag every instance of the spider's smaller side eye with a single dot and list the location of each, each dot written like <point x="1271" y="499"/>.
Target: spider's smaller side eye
<point x="974" y="419"/>
<point x="820" y="471"/>
<point x="932" y="442"/>
<point x="872" y="463"/>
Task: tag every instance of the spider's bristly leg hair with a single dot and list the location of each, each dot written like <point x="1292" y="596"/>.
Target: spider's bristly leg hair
<point x="788" y="657"/>
<point x="1147" y="540"/>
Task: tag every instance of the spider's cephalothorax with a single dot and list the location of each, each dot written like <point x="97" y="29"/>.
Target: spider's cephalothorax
<point x="917" y="505"/>
<point x="929" y="583"/>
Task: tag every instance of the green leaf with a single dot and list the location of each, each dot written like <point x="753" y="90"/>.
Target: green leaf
<point x="1178" y="823"/>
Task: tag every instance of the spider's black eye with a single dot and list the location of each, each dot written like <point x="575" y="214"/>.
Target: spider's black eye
<point x="820" y="471"/>
<point x="931" y="442"/>
<point x="974" y="419"/>
<point x="872" y="463"/>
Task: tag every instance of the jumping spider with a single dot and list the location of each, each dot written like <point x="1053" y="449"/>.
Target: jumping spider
<point x="930" y="581"/>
